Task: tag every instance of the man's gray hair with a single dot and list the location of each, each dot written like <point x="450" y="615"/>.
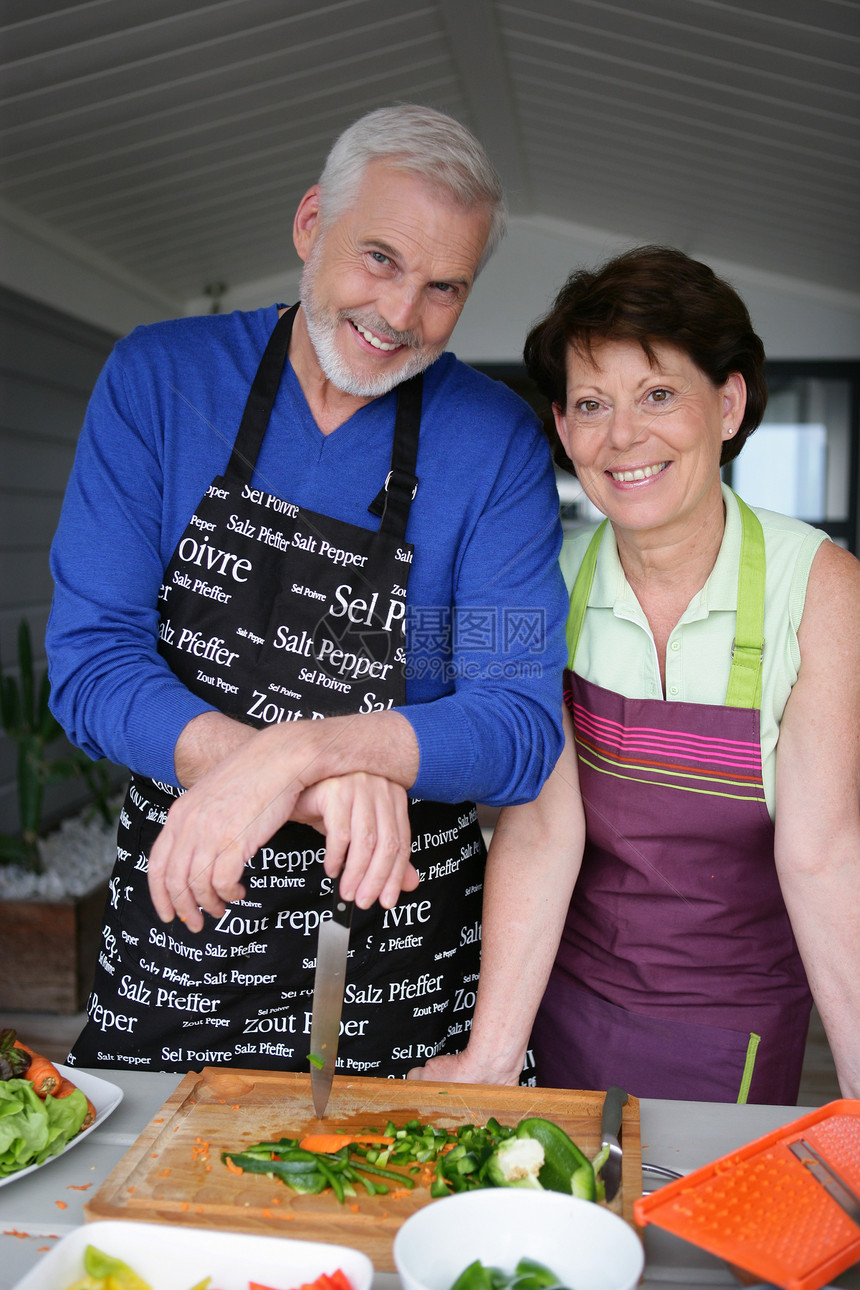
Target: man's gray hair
<point x="425" y="143"/>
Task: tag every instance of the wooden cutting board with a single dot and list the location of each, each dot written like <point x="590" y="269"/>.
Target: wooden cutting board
<point x="174" y="1172"/>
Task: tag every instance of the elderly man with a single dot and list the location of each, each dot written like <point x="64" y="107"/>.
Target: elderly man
<point x="281" y="606"/>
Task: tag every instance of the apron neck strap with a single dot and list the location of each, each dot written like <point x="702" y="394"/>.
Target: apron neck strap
<point x="744" y="688"/>
<point x="581" y="592"/>
<point x="394" y="499"/>
<point x="261" y="399"/>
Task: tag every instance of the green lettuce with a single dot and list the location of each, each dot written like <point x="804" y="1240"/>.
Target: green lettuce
<point x="32" y="1130"/>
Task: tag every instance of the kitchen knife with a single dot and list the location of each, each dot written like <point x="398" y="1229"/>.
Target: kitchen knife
<point x="332" y="949"/>
<point x="610" y="1127"/>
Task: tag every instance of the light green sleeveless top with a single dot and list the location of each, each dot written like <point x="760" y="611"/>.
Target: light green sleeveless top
<point x="616" y="649"/>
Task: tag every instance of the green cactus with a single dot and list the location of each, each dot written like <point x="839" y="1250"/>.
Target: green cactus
<point x="28" y="720"/>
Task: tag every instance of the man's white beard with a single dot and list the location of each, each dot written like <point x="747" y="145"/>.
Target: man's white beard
<point x="322" y="325"/>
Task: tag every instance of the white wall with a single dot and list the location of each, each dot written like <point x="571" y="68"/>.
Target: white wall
<point x="795" y="319"/>
<point x="61" y="272"/>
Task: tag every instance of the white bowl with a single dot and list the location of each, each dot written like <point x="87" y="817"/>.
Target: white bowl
<point x="176" y="1258"/>
<point x="586" y="1246"/>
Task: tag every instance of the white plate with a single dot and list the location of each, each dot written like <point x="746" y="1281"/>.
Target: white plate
<point x="105" y="1098"/>
<point x="176" y="1258"/>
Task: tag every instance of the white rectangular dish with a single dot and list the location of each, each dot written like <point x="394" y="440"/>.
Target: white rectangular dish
<point x="177" y="1258"/>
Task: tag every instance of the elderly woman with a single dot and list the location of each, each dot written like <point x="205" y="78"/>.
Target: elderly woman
<point x="705" y="815"/>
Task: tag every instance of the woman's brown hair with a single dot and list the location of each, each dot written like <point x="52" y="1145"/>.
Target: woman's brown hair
<point x="653" y="294"/>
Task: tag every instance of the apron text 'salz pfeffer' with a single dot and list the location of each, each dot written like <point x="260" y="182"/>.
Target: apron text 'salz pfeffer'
<point x="274" y="613"/>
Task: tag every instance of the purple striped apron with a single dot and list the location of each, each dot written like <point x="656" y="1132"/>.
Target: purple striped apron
<point x="678" y="975"/>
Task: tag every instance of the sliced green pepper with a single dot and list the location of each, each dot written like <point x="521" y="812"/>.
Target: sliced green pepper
<point x="565" y="1168"/>
<point x="475" y="1277"/>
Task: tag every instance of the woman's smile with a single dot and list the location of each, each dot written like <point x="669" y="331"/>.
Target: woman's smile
<point x="637" y="474"/>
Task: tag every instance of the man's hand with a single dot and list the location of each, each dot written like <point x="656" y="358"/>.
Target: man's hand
<point x="368" y="837"/>
<point x="235" y="806"/>
<point x="214" y="829"/>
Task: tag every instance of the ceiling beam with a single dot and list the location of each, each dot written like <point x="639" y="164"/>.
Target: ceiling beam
<point x="473" y="29"/>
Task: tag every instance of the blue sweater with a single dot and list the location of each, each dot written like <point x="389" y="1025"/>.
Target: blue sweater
<point x="483" y="688"/>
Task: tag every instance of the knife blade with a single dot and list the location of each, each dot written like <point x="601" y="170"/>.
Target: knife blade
<point x="329" y="978"/>
<point x="824" y="1173"/>
<point x="610" y="1127"/>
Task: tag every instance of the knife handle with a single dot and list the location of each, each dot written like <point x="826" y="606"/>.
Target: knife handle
<point x="341" y="910"/>
<point x="613" y="1105"/>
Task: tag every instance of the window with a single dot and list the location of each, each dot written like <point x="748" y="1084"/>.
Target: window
<point x="803" y="459"/>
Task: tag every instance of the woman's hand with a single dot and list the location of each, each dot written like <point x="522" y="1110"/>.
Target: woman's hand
<point x="465" y="1068"/>
<point x="368" y="837"/>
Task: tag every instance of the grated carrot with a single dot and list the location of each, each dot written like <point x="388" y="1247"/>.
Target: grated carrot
<point x="200" y="1150"/>
<point x="61" y="1204"/>
<point x="79" y="1186"/>
<point x="234" y="1168"/>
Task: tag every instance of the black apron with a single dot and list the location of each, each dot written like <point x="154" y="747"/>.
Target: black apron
<point x="274" y="613"/>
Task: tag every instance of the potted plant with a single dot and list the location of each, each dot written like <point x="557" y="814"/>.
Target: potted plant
<point x="50" y="935"/>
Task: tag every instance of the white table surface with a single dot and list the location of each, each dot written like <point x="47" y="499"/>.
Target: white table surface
<point x="35" y="1211"/>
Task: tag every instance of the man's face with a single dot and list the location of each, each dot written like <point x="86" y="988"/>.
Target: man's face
<point x="384" y="284"/>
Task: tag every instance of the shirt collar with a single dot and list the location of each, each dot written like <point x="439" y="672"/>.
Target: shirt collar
<point x="611" y="590"/>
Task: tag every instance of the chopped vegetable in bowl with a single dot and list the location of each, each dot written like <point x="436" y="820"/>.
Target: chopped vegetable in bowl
<point x="104" y="1272"/>
<point x="528" y="1275"/>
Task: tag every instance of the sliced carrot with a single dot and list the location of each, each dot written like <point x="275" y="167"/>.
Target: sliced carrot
<point x="235" y="1169"/>
<point x="41" y="1073"/>
<point x="331" y="1142"/>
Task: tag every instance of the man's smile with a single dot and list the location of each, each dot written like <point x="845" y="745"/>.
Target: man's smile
<point x="377" y="343"/>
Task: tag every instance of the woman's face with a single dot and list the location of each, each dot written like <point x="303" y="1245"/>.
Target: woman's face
<point x="646" y="441"/>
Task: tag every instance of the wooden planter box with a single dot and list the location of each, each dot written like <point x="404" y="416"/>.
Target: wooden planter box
<point x="48" y="951"/>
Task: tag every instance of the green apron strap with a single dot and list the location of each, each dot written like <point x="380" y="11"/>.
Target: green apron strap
<point x="581" y="592"/>
<point x="744" y="688"/>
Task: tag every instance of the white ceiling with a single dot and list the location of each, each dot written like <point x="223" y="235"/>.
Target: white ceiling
<point x="175" y="137"/>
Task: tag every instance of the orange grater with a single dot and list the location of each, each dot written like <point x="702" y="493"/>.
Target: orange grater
<point x="760" y="1208"/>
